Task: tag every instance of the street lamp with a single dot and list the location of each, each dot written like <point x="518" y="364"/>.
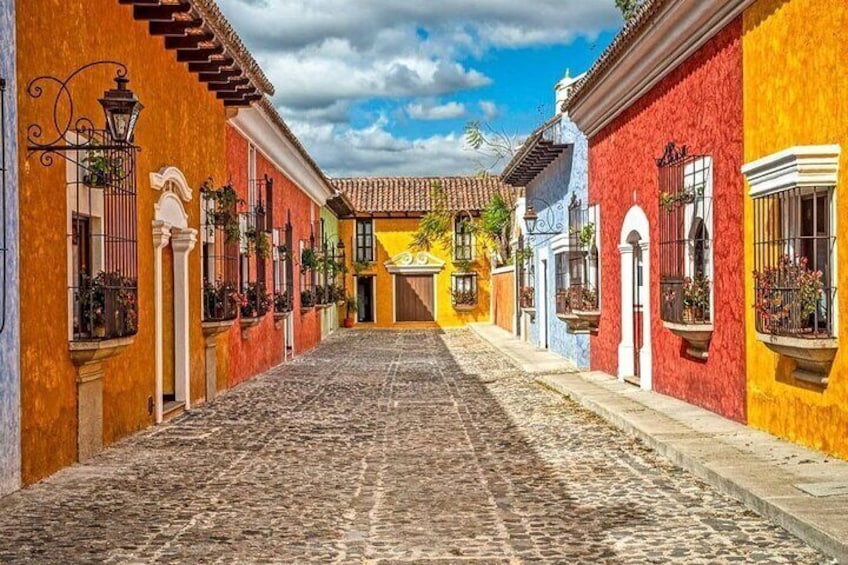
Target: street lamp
<point x="530" y="219"/>
<point x="121" y="109"/>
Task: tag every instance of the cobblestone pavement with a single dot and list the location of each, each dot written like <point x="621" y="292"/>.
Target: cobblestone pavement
<point x="385" y="447"/>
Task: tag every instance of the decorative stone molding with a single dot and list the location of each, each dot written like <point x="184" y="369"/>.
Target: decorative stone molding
<point x="88" y="357"/>
<point x="800" y="166"/>
<point x="169" y="177"/>
<point x="408" y="263"/>
<point x="813" y="357"/>
<point x="574" y="323"/>
<point x="590" y="318"/>
<point x="698" y="337"/>
<point x="247" y="323"/>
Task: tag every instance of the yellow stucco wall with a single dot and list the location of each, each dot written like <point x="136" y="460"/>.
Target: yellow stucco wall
<point x="182" y="125"/>
<point x="394" y="236"/>
<point x="795" y="94"/>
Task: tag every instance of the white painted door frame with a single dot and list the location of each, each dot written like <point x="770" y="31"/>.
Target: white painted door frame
<point x="637" y="221"/>
<point x="170" y="226"/>
<point x="542" y="298"/>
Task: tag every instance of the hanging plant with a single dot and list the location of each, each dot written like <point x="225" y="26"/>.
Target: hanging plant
<point x="586" y="235"/>
<point x="283" y="252"/>
<point x="224" y="209"/>
<point x="309" y="260"/>
<point x="261" y="243"/>
<point x="100" y="168"/>
<point x="361" y="266"/>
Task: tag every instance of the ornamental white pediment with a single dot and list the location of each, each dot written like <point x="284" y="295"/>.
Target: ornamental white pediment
<point x="414" y="263"/>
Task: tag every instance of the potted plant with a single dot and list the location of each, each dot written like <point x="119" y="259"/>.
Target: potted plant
<point x="309" y="260"/>
<point x="463" y="300"/>
<point x="222" y="210"/>
<point x="254" y="302"/>
<point x="282" y="302"/>
<point x="790" y="291"/>
<point x="307" y="299"/>
<point x="526" y="296"/>
<point x="360" y="266"/>
<point x="351" y="304"/>
<point x="696" y="299"/>
<point x="258" y="239"/>
<point x="100" y="167"/>
<point x="219" y="300"/>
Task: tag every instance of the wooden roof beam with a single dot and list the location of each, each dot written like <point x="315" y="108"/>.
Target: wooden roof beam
<point x="188" y="41"/>
<point x="160" y="12"/>
<point x="198" y="55"/>
<point x="175" y="28"/>
<point x="226" y="86"/>
<point x="212" y="66"/>
<point x="222" y="76"/>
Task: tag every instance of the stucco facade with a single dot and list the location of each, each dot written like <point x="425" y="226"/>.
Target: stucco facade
<point x="550" y="193"/>
<point x="697" y="105"/>
<point x="393" y="236"/>
<point x="330" y="313"/>
<point x="795" y="92"/>
<point x="182" y="126"/>
<point x="10" y="415"/>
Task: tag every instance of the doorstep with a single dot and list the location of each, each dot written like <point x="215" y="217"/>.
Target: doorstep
<point x="804" y="491"/>
<point x="526" y="357"/>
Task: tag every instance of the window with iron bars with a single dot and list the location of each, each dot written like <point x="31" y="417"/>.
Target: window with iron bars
<point x="794" y="246"/>
<point x="579" y="291"/>
<point x="563" y="292"/>
<point x="255" y="248"/>
<point x="464" y="289"/>
<point x="526" y="275"/>
<point x="103" y="284"/>
<point x="283" y="270"/>
<point x="219" y="254"/>
<point x="309" y="258"/>
<point x="463" y="239"/>
<point x="364" y="240"/>
<point x="685" y="222"/>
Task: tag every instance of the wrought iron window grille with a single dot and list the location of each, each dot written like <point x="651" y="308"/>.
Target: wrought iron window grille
<point x="526" y="275"/>
<point x="284" y="270"/>
<point x="101" y="187"/>
<point x="685" y="222"/>
<point x="220" y="268"/>
<point x="463" y="238"/>
<point x="464" y="289"/>
<point x="794" y="249"/>
<point x="580" y="291"/>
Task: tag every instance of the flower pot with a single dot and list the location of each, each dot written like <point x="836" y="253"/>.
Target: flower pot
<point x="99" y="331"/>
<point x="348" y="322"/>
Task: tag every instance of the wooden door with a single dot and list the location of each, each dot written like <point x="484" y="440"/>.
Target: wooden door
<point x="414" y="298"/>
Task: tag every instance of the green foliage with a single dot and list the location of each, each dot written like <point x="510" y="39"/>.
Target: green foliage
<point x="496" y="226"/>
<point x="309" y="260"/>
<point x="361" y="266"/>
<point x="627" y="7"/>
<point x="223" y="212"/>
<point x="586" y="235"/>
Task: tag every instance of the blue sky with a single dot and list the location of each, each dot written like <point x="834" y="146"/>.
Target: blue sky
<point x="378" y="87"/>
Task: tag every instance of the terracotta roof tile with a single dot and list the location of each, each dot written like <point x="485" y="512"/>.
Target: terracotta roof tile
<point x="413" y="194"/>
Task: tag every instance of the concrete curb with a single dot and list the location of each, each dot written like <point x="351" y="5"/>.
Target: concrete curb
<point x="723" y="478"/>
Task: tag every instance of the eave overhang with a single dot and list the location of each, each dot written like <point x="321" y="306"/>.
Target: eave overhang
<point x="204" y="40"/>
<point x="664" y="34"/>
<point x="540" y="150"/>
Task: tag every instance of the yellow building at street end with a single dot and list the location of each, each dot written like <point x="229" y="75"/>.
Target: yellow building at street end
<point x="796" y="265"/>
<point x="398" y="285"/>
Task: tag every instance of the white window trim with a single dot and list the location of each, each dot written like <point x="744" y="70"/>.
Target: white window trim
<point x="805" y="167"/>
<point x="799" y="166"/>
<point x="456" y="219"/>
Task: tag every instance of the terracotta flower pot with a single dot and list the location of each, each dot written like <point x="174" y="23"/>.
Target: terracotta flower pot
<point x="348" y="322"/>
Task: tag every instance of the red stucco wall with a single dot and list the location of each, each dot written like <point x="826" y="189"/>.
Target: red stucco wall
<point x="263" y="346"/>
<point x="699" y="105"/>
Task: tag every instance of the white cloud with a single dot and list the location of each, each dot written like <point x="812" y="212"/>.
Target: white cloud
<point x="428" y="110"/>
<point x="489" y="109"/>
<point x="329" y="58"/>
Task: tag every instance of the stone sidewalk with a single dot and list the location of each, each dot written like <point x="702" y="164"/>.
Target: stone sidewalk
<point x="804" y="491"/>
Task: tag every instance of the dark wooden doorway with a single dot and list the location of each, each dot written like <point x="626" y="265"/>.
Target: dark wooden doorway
<point x="414" y="298"/>
<point x="365" y="299"/>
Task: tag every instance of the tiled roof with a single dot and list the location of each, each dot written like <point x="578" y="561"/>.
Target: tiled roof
<point x="413" y="194"/>
<point x="633" y="27"/>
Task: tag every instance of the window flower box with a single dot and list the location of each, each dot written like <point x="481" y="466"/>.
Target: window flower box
<point x="813" y="356"/>
<point x="698" y="337"/>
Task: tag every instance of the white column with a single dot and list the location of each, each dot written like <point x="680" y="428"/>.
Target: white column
<point x="626" y="367"/>
<point x="161" y="237"/>
<point x="183" y="242"/>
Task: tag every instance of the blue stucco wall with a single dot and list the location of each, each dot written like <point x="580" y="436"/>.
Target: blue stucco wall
<point x="10" y="421"/>
<point x="566" y="176"/>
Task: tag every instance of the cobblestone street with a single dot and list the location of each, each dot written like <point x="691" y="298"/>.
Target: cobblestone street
<point x="386" y="447"/>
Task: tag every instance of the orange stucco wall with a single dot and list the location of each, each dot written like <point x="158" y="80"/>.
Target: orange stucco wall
<point x="795" y="93"/>
<point x="503" y="299"/>
<point x="182" y="125"/>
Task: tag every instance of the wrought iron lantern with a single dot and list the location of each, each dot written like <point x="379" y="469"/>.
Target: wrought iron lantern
<point x="121" y="108"/>
<point x="531" y="218"/>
